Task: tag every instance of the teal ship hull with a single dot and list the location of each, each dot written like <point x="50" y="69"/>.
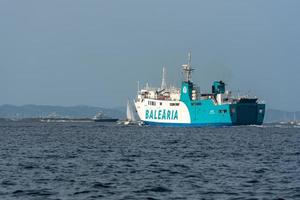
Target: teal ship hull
<point x="239" y="114"/>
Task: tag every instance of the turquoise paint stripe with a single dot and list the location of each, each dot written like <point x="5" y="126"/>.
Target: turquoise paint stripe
<point x="187" y="125"/>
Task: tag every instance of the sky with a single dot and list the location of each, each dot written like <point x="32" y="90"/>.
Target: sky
<point x="71" y="52"/>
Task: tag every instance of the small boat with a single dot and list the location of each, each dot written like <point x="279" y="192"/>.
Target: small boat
<point x="100" y="117"/>
<point x="130" y="117"/>
<point x="294" y="121"/>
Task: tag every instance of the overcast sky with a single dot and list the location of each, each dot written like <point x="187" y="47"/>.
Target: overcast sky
<point x="69" y="52"/>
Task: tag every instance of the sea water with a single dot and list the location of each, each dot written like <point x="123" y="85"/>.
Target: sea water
<point x="106" y="161"/>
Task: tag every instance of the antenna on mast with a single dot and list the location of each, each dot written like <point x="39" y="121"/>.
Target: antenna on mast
<point x="187" y="69"/>
<point x="138" y="87"/>
<point x="163" y="81"/>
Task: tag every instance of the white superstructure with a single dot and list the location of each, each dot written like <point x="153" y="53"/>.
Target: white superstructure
<point x="161" y="104"/>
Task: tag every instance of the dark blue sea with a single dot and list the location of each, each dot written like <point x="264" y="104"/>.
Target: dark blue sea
<point x="73" y="161"/>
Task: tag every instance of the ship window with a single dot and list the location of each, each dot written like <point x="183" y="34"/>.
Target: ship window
<point x="223" y="111"/>
<point x="160" y="103"/>
<point x="174" y="104"/>
<point x="151" y="103"/>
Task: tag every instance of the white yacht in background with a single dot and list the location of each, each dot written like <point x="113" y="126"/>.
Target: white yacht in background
<point x="100" y="117"/>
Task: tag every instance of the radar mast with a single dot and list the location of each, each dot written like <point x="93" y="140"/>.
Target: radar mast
<point x="187" y="69"/>
<point x="163" y="81"/>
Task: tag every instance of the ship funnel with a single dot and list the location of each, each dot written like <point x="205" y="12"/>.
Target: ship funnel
<point x="218" y="87"/>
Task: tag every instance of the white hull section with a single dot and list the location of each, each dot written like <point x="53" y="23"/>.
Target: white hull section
<point x="163" y="111"/>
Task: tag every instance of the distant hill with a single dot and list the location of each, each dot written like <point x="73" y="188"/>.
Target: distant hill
<point x="273" y="115"/>
<point x="30" y="111"/>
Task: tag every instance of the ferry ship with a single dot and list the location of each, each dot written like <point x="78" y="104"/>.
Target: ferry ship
<point x="187" y="106"/>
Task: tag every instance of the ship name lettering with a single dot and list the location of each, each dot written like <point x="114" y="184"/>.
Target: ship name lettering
<point x="162" y="114"/>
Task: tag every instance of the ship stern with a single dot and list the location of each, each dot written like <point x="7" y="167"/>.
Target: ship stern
<point x="247" y="113"/>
